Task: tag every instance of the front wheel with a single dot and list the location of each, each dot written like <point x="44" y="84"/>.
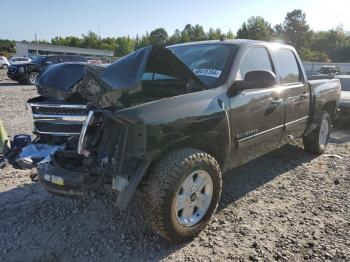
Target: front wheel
<point x="5" y="66"/>
<point x="182" y="194"/>
<point x="317" y="141"/>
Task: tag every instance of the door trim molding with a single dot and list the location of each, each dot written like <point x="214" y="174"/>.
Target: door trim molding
<point x="296" y="121"/>
<point x="260" y="133"/>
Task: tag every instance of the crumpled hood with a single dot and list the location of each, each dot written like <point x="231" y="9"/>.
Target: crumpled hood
<point x="103" y="86"/>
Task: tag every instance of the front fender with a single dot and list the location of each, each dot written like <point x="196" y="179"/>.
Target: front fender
<point x="199" y="120"/>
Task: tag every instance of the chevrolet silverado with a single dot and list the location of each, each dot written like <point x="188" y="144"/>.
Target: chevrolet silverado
<point x="169" y="121"/>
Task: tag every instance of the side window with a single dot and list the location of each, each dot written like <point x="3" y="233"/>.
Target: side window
<point x="287" y="65"/>
<point x="147" y="77"/>
<point x="52" y="59"/>
<point x="64" y="59"/>
<point x="257" y="58"/>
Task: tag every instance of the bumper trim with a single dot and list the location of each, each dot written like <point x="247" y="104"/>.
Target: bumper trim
<point x="60" y="117"/>
<point x="81" y="150"/>
<point x="72" y="183"/>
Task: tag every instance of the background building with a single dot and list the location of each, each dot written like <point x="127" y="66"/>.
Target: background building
<point x="33" y="49"/>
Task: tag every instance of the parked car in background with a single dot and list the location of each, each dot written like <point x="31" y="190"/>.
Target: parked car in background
<point x="326" y="72"/>
<point x="344" y="104"/>
<point x="174" y="118"/>
<point x="28" y="73"/>
<point x="4" y="63"/>
<point x="329" y="70"/>
<point x="95" y="61"/>
<point x="19" y="60"/>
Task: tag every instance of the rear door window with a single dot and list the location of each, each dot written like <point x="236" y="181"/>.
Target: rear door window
<point x="287" y="66"/>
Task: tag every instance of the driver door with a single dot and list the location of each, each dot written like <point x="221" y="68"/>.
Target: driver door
<point x="256" y="115"/>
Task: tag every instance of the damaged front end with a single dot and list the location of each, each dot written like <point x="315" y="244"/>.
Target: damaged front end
<point x="84" y="142"/>
<point x="80" y="150"/>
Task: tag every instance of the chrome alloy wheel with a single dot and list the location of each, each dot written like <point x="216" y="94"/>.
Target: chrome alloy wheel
<point x="193" y="198"/>
<point x="324" y="132"/>
<point x="32" y="78"/>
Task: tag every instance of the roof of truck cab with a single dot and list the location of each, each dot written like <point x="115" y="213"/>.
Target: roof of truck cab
<point x="237" y="42"/>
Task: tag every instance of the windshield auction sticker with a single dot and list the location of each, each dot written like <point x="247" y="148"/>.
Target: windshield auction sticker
<point x="207" y="72"/>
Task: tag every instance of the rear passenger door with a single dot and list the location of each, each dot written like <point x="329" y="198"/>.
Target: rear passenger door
<point x="256" y="114"/>
<point x="295" y="90"/>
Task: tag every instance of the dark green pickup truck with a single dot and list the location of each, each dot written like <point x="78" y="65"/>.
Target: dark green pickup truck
<point x="169" y="121"/>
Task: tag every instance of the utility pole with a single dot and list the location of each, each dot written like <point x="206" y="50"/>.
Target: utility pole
<point x="36" y="41"/>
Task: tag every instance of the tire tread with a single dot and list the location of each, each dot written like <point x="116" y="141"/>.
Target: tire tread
<point x="162" y="180"/>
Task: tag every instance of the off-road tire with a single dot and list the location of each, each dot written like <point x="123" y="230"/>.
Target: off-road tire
<point x="162" y="186"/>
<point x="312" y="140"/>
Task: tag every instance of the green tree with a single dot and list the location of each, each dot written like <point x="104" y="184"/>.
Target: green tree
<point x="256" y="28"/>
<point x="335" y="43"/>
<point x="230" y="34"/>
<point x="306" y="54"/>
<point x="7" y="47"/>
<point x="175" y="38"/>
<point x="91" y="40"/>
<point x="125" y="45"/>
<point x="158" y="37"/>
<point x="109" y="43"/>
<point x="296" y="30"/>
<point x="142" y="41"/>
<point x="185" y="37"/>
<point x="193" y="33"/>
<point x="278" y="31"/>
<point x="214" y="34"/>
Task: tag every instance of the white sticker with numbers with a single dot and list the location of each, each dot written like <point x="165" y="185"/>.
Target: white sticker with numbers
<point x="207" y="72"/>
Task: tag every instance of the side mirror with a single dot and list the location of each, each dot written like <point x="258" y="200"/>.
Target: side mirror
<point x="253" y="80"/>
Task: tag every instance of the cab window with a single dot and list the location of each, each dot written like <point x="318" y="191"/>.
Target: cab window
<point x="287" y="66"/>
<point x="256" y="58"/>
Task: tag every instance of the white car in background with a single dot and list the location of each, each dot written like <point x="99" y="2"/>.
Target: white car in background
<point x="4" y="63"/>
<point x="19" y="60"/>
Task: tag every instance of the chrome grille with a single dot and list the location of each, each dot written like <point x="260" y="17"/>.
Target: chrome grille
<point x="47" y="128"/>
<point x="59" y="111"/>
<point x="58" y="119"/>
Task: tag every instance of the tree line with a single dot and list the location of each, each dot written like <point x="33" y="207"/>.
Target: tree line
<point x="323" y="46"/>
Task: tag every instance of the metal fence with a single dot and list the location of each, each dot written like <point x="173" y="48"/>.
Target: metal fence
<point x="312" y="68"/>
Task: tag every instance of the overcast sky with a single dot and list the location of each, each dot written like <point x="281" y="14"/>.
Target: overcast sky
<point x="21" y="19"/>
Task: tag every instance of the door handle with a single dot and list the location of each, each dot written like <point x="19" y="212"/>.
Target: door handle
<point x="303" y="96"/>
<point x="276" y="102"/>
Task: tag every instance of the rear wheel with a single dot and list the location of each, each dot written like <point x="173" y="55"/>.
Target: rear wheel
<point x="32" y="77"/>
<point x="182" y="194"/>
<point x="5" y="66"/>
<point x="317" y="141"/>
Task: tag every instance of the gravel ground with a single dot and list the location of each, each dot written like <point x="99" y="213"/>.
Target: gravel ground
<point x="287" y="205"/>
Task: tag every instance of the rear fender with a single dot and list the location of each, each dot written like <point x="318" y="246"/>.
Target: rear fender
<point x="325" y="95"/>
